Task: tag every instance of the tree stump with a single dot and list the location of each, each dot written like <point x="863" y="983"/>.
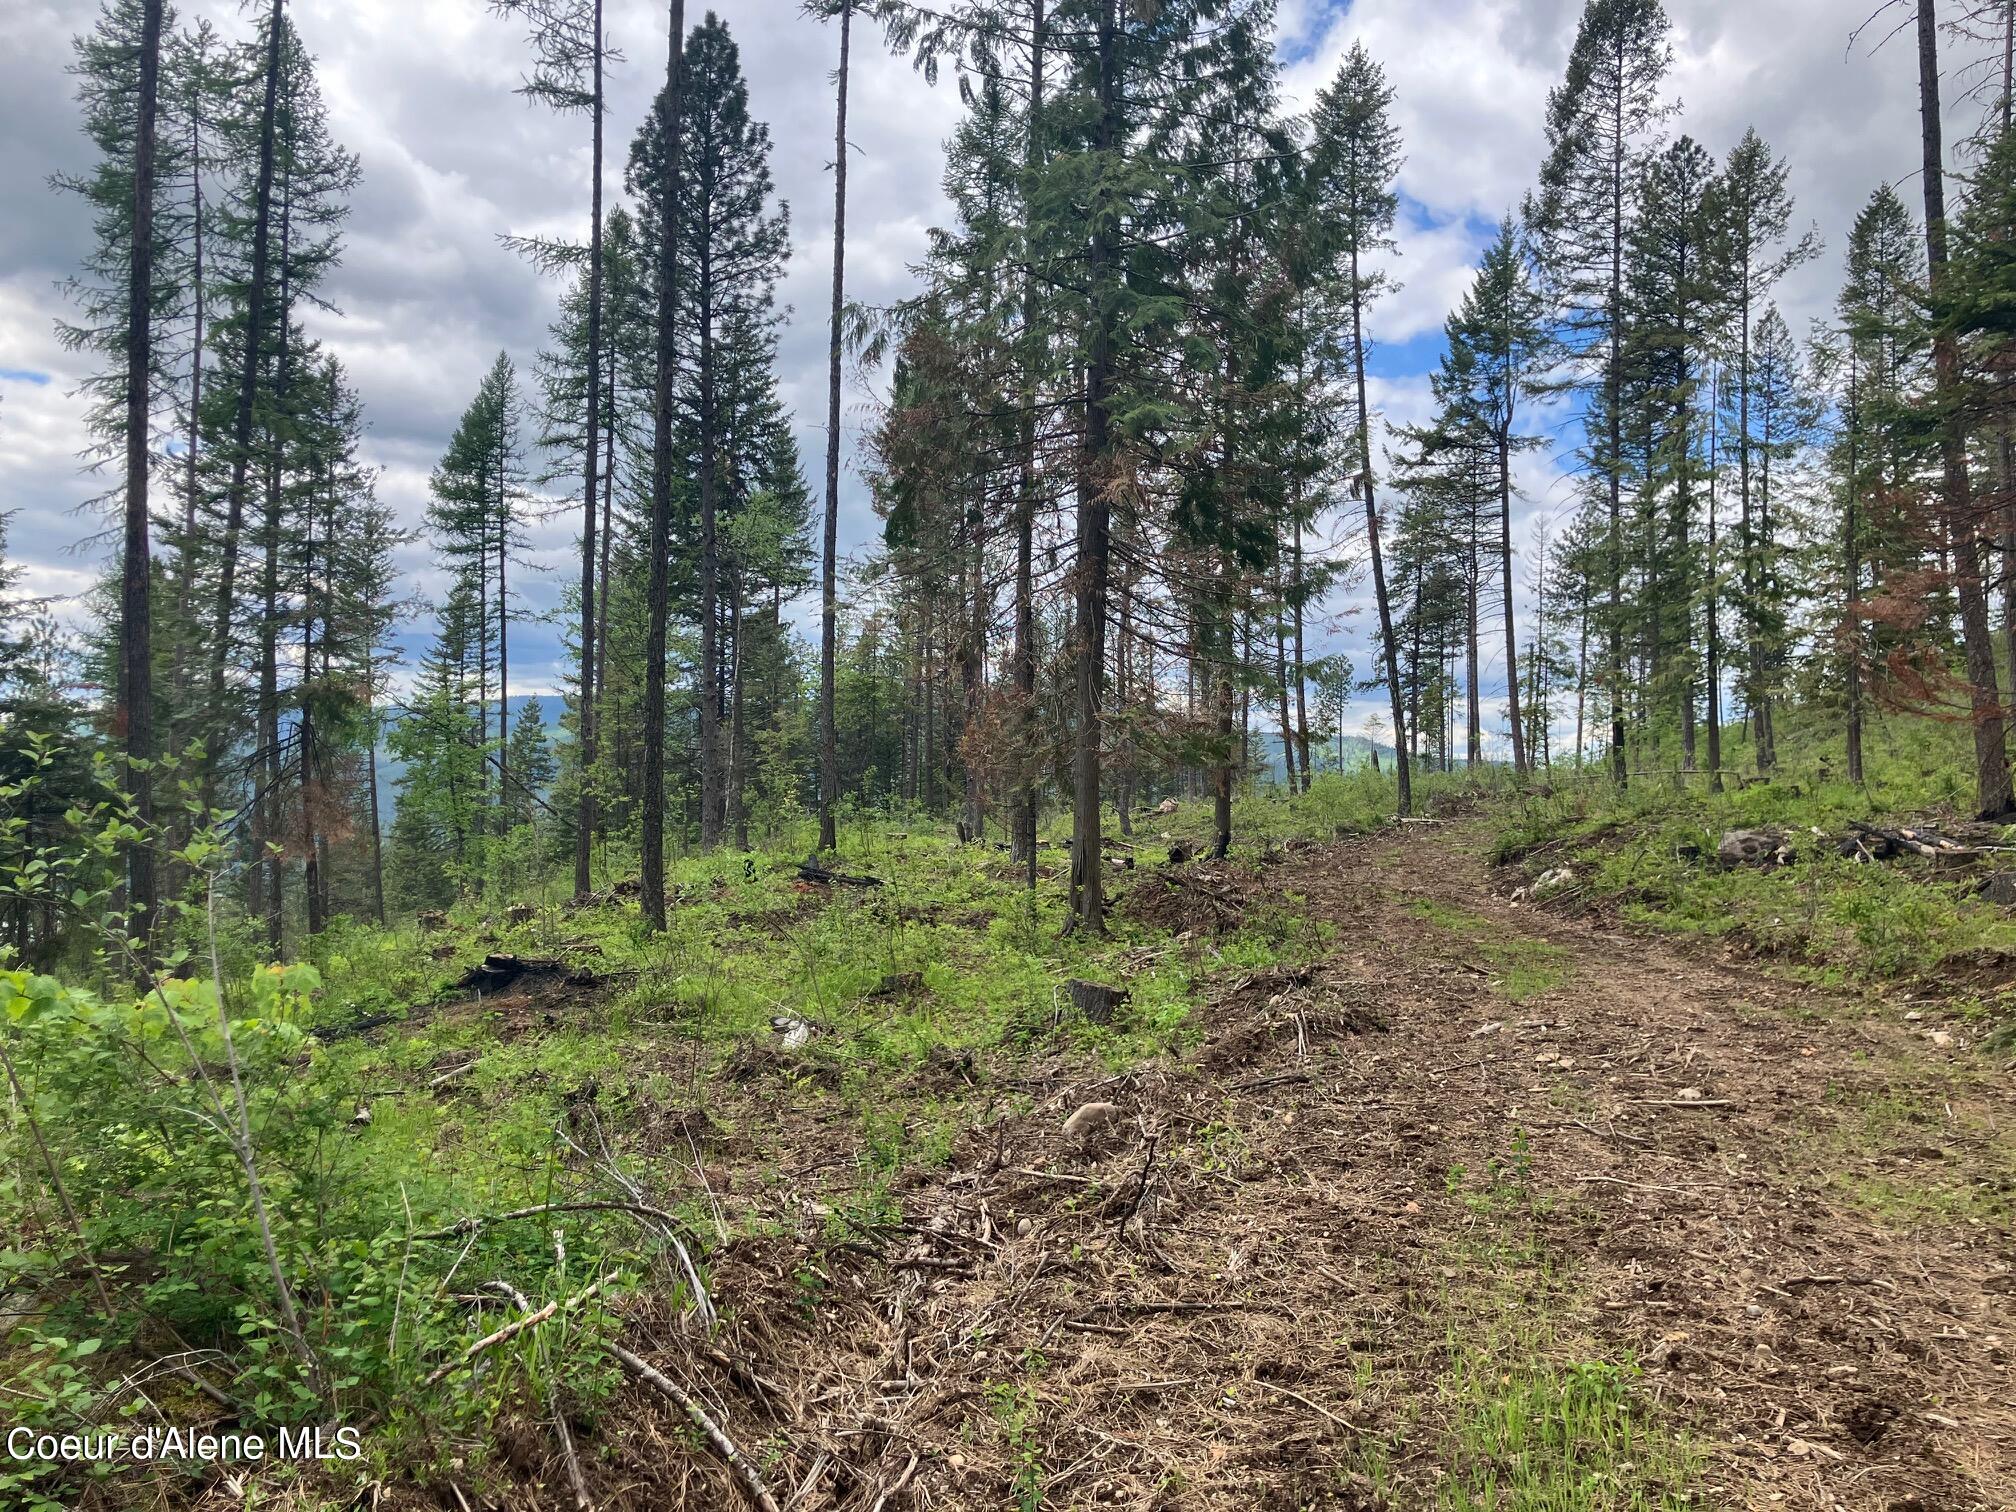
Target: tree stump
<point x="1096" y="1002"/>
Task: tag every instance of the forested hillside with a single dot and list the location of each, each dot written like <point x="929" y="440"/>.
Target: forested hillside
<point x="1252" y="944"/>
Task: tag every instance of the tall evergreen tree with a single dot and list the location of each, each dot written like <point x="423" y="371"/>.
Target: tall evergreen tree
<point x="1356" y="156"/>
<point x="1600" y="122"/>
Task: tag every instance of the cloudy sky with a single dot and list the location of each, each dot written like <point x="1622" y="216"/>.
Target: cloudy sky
<point x="422" y="91"/>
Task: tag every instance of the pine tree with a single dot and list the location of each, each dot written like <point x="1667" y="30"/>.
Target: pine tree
<point x="1600" y="120"/>
<point x="1356" y="155"/>
<point x="1677" y="303"/>
<point x="1497" y="348"/>
<point x="1974" y="309"/>
<point x="478" y="491"/>
<point x="572" y="53"/>
<point x="1755" y="214"/>
<point x="131" y="286"/>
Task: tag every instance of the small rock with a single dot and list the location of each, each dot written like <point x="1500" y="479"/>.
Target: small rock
<point x="1483" y="1029"/>
<point x="1753" y="848"/>
<point x="1090" y="1119"/>
<point x="1024" y="1228"/>
<point x="1941" y="1038"/>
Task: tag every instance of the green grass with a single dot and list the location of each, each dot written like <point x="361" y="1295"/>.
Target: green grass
<point x="1536" y="1434"/>
<point x="1650" y="851"/>
<point x="1521" y="969"/>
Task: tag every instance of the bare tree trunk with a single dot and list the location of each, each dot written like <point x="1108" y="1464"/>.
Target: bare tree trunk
<point x="1522" y="759"/>
<point x="1712" y="667"/>
<point x="1851" y="574"/>
<point x="185" y="563"/>
<point x="1401" y="768"/>
<point x="1221" y="672"/>
<point x="586" y="696"/>
<point x="1963" y="526"/>
<point x="136" y="618"/>
<point x="1098" y="478"/>
<point x="1301" y="663"/>
<point x="709" y="680"/>
<point x="738" y="732"/>
<point x="829" y="739"/>
<point x="972" y="671"/>
<point x="652" y="868"/>
<point x="1613" y="464"/>
<point x="1023" y="838"/>
<point x="241" y="426"/>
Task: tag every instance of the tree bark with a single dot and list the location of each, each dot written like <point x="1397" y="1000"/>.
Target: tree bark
<point x="1991" y="765"/>
<point x="1402" y="773"/>
<point x="136" y="622"/>
<point x="241" y="425"/>
<point x="1097" y="478"/>
<point x="829" y="739"/>
<point x="1022" y="841"/>
<point x="652" y="867"/>
<point x="587" y="694"/>
<point x="1522" y="759"/>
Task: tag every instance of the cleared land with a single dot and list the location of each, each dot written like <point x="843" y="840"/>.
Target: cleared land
<point x="1476" y="1205"/>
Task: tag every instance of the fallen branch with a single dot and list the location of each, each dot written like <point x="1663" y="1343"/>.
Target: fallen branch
<point x="511" y="1331"/>
<point x="1296" y="1396"/>
<point x="811" y="870"/>
<point x="900" y="1482"/>
<point x="746" y="1473"/>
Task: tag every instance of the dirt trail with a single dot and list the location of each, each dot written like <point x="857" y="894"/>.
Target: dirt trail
<point x="1375" y="1242"/>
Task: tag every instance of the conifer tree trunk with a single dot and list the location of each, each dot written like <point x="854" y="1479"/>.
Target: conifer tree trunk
<point x="1221" y="697"/>
<point x="185" y="563"/>
<point x="1301" y="662"/>
<point x="311" y="851"/>
<point x="1401" y="767"/>
<point x="241" y="425"/>
<point x="1991" y="765"/>
<point x="1097" y="478"/>
<point x="709" y="681"/>
<point x="1522" y="758"/>
<point x="1851" y="576"/>
<point x="829" y="739"/>
<point x="269" y="806"/>
<point x="1613" y="382"/>
<point x="1712" y="663"/>
<point x="136" y="665"/>
<point x="972" y="669"/>
<point x="1023" y="840"/>
<point x="591" y="619"/>
<point x="503" y="641"/>
<point x="738" y="733"/>
<point x="1473" y="728"/>
<point x="652" y="868"/>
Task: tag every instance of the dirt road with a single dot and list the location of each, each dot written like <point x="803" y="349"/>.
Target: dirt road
<point x="1492" y="1207"/>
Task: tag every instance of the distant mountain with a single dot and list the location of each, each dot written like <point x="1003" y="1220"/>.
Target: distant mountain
<point x="1323" y="755"/>
<point x="391" y="768"/>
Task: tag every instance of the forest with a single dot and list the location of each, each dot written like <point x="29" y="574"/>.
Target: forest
<point x="1248" y="946"/>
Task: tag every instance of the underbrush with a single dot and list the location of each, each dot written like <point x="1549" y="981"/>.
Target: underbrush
<point x="433" y="1160"/>
<point x="1650" y="852"/>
